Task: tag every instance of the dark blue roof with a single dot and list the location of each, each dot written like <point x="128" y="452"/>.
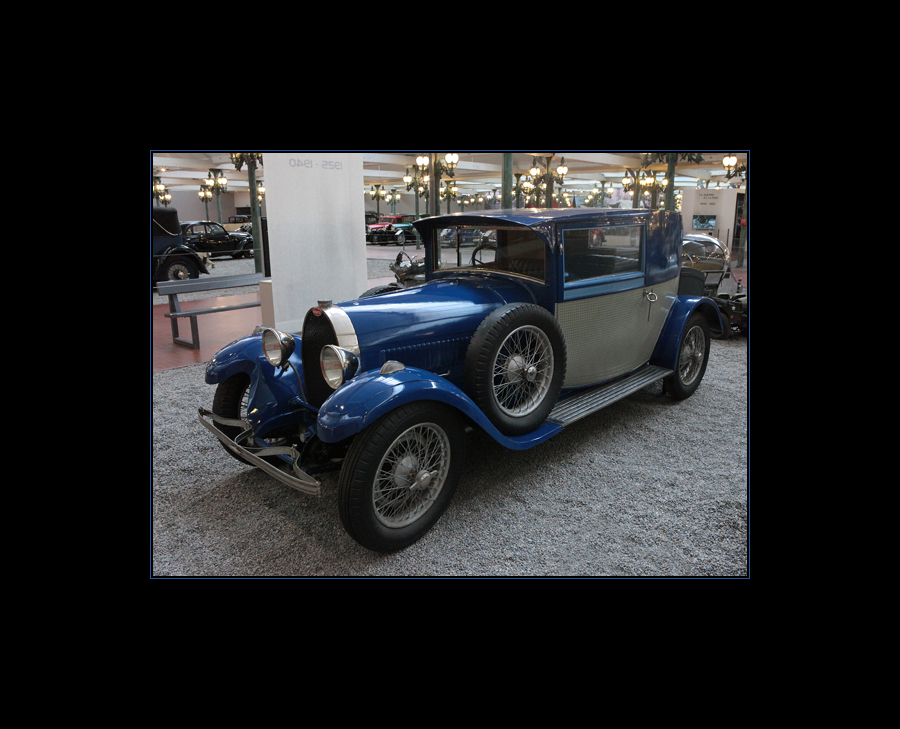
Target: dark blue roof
<point x="539" y="219"/>
<point x="528" y="216"/>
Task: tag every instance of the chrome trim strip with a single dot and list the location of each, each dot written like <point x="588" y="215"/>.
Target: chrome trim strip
<point x="343" y="328"/>
<point x="300" y="481"/>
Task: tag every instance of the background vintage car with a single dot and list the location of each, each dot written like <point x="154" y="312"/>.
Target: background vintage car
<point x="396" y="229"/>
<point x="563" y="313"/>
<point x="708" y="254"/>
<point x="170" y="258"/>
<point x="206" y="236"/>
<point x="705" y="264"/>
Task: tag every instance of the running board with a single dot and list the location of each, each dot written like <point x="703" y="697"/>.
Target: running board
<point x="590" y="401"/>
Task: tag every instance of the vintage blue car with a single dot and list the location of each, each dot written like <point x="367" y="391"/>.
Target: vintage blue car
<point x="554" y="315"/>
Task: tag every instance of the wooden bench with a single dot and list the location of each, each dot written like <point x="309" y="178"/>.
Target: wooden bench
<point x="173" y="288"/>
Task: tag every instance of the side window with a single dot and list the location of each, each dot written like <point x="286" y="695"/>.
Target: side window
<point x="595" y="252"/>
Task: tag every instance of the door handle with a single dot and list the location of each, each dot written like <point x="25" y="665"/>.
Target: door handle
<point x="651" y="297"/>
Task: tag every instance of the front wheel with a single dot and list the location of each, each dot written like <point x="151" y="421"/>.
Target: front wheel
<point x="400" y="474"/>
<point x="693" y="355"/>
<point x="230" y="401"/>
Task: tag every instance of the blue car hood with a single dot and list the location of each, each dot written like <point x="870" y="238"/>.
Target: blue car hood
<point x="427" y="314"/>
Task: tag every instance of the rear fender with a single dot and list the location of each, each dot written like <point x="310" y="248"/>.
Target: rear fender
<point x="667" y="346"/>
<point x="183" y="251"/>
<point x="366" y="398"/>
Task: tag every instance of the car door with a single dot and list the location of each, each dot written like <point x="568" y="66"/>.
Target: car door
<point x="216" y="239"/>
<point x="193" y="236"/>
<point x="610" y="317"/>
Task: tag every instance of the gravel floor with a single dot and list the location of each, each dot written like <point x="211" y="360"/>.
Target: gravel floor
<point x="645" y="488"/>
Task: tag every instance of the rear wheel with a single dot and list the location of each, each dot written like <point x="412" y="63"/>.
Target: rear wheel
<point x="693" y="355"/>
<point x="179" y="269"/>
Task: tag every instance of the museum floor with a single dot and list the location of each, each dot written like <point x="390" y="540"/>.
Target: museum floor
<point x="217" y="330"/>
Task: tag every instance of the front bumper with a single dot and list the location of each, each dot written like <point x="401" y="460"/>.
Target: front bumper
<point x="296" y="479"/>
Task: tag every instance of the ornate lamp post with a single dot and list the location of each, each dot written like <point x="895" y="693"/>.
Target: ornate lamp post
<point x="205" y="195"/>
<point x="671" y="159"/>
<point x="522" y="187"/>
<point x="650" y="188"/>
<point x="159" y="192"/>
<point x="437" y="167"/>
<point x="252" y="159"/>
<point x="600" y="195"/>
<point x="544" y="180"/>
<point x="218" y="184"/>
<point x="448" y="192"/>
<point x="378" y="193"/>
<point x="419" y="182"/>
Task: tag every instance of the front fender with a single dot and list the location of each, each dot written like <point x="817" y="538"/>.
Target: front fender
<point x="667" y="346"/>
<point x="368" y="397"/>
<point x="239" y="356"/>
<point x="274" y="399"/>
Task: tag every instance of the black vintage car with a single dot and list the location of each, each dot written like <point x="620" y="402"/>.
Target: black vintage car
<point x="205" y="236"/>
<point x="170" y="258"/>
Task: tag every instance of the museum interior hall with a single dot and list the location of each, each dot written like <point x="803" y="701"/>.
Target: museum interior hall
<point x="710" y="188"/>
<point x="466" y="364"/>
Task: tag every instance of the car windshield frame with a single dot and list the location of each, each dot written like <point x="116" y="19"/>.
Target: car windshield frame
<point x="493" y="247"/>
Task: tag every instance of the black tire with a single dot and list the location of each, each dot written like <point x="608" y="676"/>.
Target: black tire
<point x="378" y="290"/>
<point x="693" y="356"/>
<point x="178" y="269"/>
<point x="230" y="402"/>
<point x="515" y="366"/>
<point x="400" y="474"/>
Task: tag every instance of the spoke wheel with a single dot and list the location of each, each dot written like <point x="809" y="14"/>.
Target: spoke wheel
<point x="411" y="475"/>
<point x="515" y="367"/>
<point x="522" y="371"/>
<point x="231" y="401"/>
<point x="693" y="355"/>
<point x="400" y="474"/>
<point x="180" y="269"/>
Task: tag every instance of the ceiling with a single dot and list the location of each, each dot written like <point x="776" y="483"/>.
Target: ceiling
<point x="475" y="171"/>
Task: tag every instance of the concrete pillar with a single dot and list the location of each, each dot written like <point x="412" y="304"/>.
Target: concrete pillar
<point x="317" y="236"/>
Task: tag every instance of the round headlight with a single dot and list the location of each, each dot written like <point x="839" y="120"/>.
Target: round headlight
<point x="277" y="346"/>
<point x="337" y="365"/>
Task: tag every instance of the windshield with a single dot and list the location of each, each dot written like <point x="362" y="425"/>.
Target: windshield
<point x="490" y="248"/>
